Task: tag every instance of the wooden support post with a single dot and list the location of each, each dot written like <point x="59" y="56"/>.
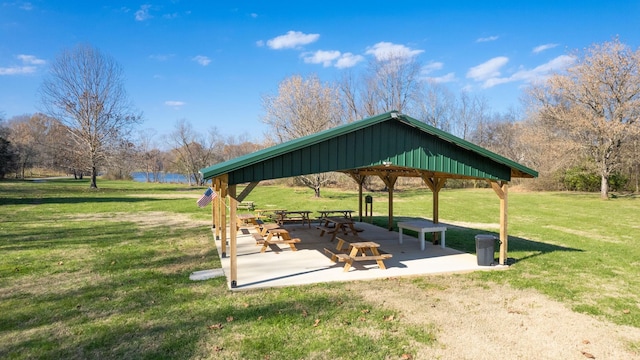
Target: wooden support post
<point x="501" y="189"/>
<point x="360" y="201"/>
<point x="233" y="244"/>
<point x="435" y="185"/>
<point x="218" y="200"/>
<point x="359" y="179"/>
<point x="213" y="211"/>
<point x="390" y="181"/>
<point x="223" y="214"/>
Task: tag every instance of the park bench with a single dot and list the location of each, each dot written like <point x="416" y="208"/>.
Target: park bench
<point x="246" y="205"/>
<point x="348" y="259"/>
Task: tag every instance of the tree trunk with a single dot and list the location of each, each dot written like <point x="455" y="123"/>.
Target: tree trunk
<point x="316" y="190"/>
<point x="94" y="175"/>
<point x="604" y="187"/>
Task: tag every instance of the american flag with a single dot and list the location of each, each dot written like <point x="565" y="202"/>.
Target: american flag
<point x="206" y="198"/>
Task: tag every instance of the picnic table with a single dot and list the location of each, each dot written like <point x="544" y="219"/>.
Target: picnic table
<point x="245" y="219"/>
<point x="360" y="251"/>
<point x="334" y="225"/>
<point x="267" y="213"/>
<point x="281" y="237"/>
<point x="285" y="216"/>
<point x="328" y="213"/>
<point x="422" y="227"/>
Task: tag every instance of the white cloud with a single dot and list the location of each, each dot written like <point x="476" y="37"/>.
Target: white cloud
<point x="292" y="40"/>
<point x="487" y="39"/>
<point x="175" y="104"/>
<point x="348" y="60"/>
<point x="434" y="66"/>
<point x="143" y="13"/>
<point x="488" y="69"/>
<point x="27" y="6"/>
<point x="17" y="70"/>
<point x="431" y="67"/>
<point x="202" y="60"/>
<point x="450" y="77"/>
<point x="30" y="59"/>
<point x="541" y="48"/>
<point x="253" y="15"/>
<point x="161" y="57"/>
<point x="384" y="50"/>
<point x="332" y="58"/>
<point x="325" y="58"/>
<point x="538" y="73"/>
<point x="29" y="65"/>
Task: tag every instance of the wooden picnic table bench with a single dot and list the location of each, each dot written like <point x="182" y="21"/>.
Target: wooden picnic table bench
<point x="268" y="213"/>
<point x="345" y="240"/>
<point x="328" y="213"/>
<point x="360" y="252"/>
<point x="262" y="230"/>
<point x="282" y="237"/>
<point x="334" y="225"/>
<point x="246" y="205"/>
<point x="286" y="216"/>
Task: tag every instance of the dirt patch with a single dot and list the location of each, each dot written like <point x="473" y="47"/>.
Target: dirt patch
<point x="586" y="234"/>
<point x="145" y="220"/>
<point x="471" y="225"/>
<point x="167" y="196"/>
<point x="489" y="321"/>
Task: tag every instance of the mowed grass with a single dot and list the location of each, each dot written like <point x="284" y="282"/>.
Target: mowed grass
<point x="105" y="273"/>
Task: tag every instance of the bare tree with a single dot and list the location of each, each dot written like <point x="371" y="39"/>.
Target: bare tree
<point x="193" y="150"/>
<point x="237" y="146"/>
<point x="391" y="82"/>
<point x="436" y="106"/>
<point x="7" y="151"/>
<point x="302" y="107"/>
<point x="149" y="157"/>
<point x="596" y="103"/>
<point x="85" y="90"/>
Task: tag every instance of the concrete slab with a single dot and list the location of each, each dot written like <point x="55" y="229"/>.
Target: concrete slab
<point x="279" y="266"/>
<point x="206" y="274"/>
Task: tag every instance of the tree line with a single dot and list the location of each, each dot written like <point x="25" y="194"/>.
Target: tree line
<point x="579" y="128"/>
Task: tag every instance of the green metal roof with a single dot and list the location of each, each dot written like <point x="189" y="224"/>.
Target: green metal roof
<point x="387" y="138"/>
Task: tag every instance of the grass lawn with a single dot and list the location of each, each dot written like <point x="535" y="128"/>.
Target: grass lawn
<point x="104" y="273"/>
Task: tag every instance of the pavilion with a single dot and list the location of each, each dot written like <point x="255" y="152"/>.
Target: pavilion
<point x="389" y="145"/>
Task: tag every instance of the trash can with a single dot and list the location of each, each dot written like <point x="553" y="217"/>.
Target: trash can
<point x="485" y="249"/>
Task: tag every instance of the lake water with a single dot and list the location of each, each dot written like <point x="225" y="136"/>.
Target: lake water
<point x="164" y="177"/>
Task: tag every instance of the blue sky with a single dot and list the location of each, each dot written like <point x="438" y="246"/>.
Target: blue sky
<point x="209" y="62"/>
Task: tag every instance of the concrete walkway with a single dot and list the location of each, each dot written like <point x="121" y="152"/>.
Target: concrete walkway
<point x="279" y="266"/>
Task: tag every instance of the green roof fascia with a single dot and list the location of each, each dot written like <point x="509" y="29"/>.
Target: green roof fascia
<point x="467" y="145"/>
<point x="276" y="150"/>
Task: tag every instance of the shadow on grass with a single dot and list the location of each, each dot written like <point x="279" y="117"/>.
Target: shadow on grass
<point x="76" y="200"/>
<point x="463" y="239"/>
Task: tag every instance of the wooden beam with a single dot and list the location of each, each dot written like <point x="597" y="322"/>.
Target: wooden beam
<point x="233" y="242"/>
<point x="246" y="191"/>
<point x="390" y="181"/>
<point x="501" y="189"/>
